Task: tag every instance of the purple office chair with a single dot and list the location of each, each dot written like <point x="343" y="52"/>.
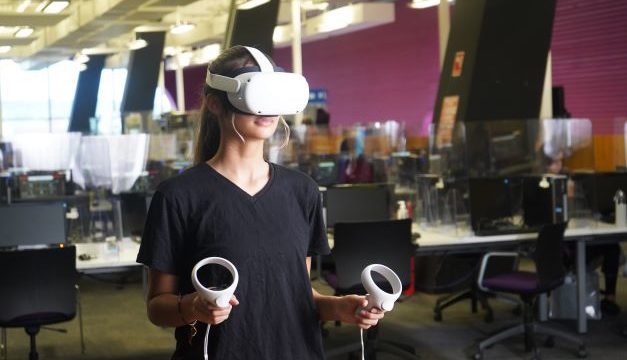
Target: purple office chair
<point x="549" y="274"/>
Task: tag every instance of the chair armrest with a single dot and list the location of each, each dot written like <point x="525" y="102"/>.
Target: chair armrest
<point x="484" y="264"/>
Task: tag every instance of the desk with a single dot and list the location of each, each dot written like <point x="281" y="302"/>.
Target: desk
<point x="582" y="233"/>
<point x="105" y="261"/>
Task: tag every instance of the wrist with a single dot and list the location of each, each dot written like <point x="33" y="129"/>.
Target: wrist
<point x="186" y="308"/>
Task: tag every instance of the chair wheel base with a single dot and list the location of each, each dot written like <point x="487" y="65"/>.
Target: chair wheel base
<point x="489" y="317"/>
<point x="549" y="342"/>
<point x="582" y="353"/>
<point x="437" y="316"/>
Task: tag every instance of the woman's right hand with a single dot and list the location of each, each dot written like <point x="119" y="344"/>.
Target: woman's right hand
<point x="208" y="313"/>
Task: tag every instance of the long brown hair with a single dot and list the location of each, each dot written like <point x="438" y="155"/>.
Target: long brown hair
<point x="208" y="135"/>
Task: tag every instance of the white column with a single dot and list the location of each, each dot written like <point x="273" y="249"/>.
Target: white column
<point x="444" y="27"/>
<point x="0" y="103"/>
<point x="180" y="88"/>
<point x="546" y="107"/>
<point x="297" y="56"/>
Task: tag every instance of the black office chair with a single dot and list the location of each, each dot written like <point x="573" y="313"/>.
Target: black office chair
<point x="455" y="276"/>
<point x="359" y="244"/>
<point x="549" y="274"/>
<point x="38" y="288"/>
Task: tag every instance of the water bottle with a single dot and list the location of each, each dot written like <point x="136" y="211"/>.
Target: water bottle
<point x="620" y="209"/>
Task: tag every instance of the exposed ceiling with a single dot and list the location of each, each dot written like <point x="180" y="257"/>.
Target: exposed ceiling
<point x="108" y="25"/>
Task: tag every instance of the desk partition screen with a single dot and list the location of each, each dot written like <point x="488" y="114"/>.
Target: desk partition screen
<point x="32" y="224"/>
<point x="362" y="202"/>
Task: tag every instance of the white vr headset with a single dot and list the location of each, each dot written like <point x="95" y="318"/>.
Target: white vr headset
<point x="262" y="90"/>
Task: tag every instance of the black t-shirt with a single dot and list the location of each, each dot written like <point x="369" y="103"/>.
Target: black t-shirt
<point x="267" y="236"/>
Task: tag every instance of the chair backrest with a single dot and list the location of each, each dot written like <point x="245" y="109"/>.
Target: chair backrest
<point x="548" y="256"/>
<point x="37" y="286"/>
<point x="357" y="202"/>
<point x="32" y="224"/>
<point x="359" y="244"/>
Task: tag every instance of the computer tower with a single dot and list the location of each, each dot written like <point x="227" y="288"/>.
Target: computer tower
<point x="545" y="199"/>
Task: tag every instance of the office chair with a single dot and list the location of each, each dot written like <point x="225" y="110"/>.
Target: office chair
<point x="38" y="288"/>
<point x="549" y="274"/>
<point x="359" y="244"/>
<point x="455" y="275"/>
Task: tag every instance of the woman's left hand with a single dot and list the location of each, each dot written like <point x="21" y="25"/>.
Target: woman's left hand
<point x="347" y="311"/>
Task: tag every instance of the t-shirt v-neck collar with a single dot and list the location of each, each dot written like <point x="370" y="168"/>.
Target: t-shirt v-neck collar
<point x="253" y="197"/>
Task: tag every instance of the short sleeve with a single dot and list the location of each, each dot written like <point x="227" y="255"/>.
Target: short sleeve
<point x="318" y="243"/>
<point x="162" y="242"/>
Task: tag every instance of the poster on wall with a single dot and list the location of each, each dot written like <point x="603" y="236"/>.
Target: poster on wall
<point x="444" y="136"/>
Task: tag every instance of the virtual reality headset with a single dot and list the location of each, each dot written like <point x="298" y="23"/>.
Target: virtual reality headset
<point x="263" y="90"/>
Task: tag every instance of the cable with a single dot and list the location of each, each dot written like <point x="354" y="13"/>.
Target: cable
<point x="207" y="341"/>
<point x="361" y="335"/>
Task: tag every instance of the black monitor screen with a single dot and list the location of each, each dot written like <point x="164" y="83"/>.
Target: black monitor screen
<point x="493" y="200"/>
<point x="134" y="209"/>
<point x="605" y="187"/>
<point x="353" y="203"/>
<point x="32" y="224"/>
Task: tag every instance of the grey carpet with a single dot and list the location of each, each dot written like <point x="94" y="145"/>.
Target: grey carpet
<point x="116" y="327"/>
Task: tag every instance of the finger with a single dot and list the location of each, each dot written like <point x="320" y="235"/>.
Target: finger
<point x="234" y="301"/>
<point x="370" y="315"/>
<point x="369" y="322"/>
<point x="220" y="319"/>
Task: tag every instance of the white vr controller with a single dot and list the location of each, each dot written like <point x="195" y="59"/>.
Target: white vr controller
<point x="377" y="298"/>
<point x="219" y="298"/>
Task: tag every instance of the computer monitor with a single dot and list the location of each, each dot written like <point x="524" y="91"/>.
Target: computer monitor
<point x="29" y="224"/>
<point x="134" y="207"/>
<point x="358" y="202"/>
<point x="605" y="187"/>
<point x="494" y="200"/>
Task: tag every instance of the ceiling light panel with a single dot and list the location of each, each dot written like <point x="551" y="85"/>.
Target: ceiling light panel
<point x="55" y="6"/>
<point x="24" y="32"/>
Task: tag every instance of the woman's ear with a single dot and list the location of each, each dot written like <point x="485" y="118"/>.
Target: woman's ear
<point x="215" y="106"/>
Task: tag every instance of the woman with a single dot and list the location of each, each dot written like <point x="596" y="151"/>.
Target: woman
<point x="264" y="218"/>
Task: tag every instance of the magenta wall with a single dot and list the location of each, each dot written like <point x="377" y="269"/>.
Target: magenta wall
<point x="391" y="71"/>
<point x="386" y="72"/>
<point x="589" y="50"/>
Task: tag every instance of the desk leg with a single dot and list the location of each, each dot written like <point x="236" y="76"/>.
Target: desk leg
<point x="582" y="320"/>
<point x="543" y="307"/>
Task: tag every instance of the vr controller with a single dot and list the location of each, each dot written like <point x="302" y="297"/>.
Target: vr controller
<point x="377" y="298"/>
<point x="219" y="298"/>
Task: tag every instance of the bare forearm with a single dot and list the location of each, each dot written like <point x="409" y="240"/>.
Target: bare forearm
<point x="327" y="306"/>
<point x="163" y="310"/>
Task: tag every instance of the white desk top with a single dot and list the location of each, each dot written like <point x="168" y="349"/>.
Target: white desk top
<point x="449" y="236"/>
<point x="104" y="258"/>
<point x="435" y="237"/>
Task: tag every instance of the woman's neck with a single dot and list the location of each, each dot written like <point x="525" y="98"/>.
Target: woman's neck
<point x="242" y="163"/>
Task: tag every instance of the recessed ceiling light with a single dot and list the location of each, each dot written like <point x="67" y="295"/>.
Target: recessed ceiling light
<point x="251" y="4"/>
<point x="137" y="44"/>
<point x="22" y="6"/>
<point x="55" y="6"/>
<point x="24" y="32"/>
<point x="423" y="4"/>
<point x="5" y="49"/>
<point x="182" y="27"/>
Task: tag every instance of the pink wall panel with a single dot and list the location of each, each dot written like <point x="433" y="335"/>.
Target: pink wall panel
<point x="589" y="50"/>
<point x="386" y="72"/>
<point x="391" y="71"/>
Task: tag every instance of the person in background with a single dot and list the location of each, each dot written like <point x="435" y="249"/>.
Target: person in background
<point x="609" y="253"/>
<point x="264" y="218"/>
